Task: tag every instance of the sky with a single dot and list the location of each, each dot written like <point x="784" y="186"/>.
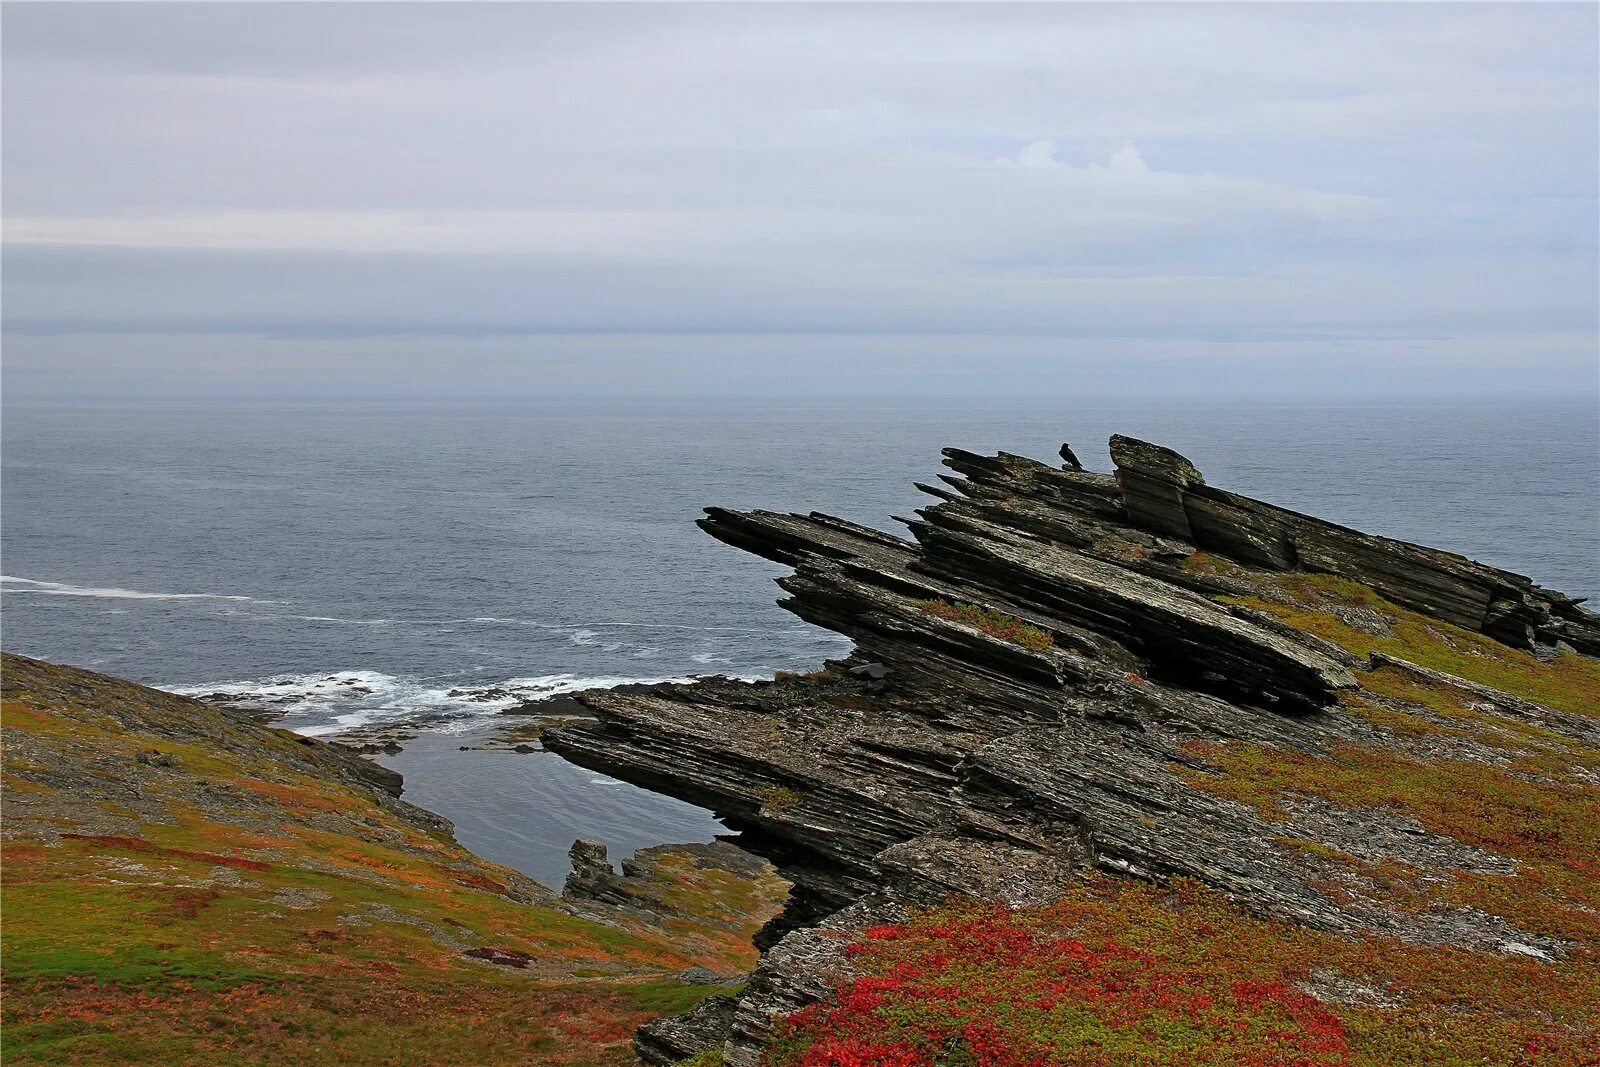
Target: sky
<point x="502" y="201"/>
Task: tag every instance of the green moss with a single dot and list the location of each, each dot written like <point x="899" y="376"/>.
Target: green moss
<point x="674" y="997"/>
<point x="780" y="798"/>
<point x="710" y="893"/>
<point x="86" y="1041"/>
<point x="130" y="965"/>
<point x="711" y="1057"/>
<point x="1448" y="711"/>
<point x="1207" y="564"/>
<point x="1315" y="848"/>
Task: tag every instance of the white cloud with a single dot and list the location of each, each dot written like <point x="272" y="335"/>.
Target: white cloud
<point x="1127" y="160"/>
<point x="1037" y="154"/>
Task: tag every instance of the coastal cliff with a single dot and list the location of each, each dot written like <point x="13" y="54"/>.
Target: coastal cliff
<point x="1339" y="788"/>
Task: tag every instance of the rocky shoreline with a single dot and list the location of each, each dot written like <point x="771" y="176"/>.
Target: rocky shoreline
<point x="1161" y="619"/>
<point x="186" y="885"/>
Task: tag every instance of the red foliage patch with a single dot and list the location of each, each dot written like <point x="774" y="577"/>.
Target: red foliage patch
<point x="136" y="844"/>
<point x="189" y="903"/>
<point x="479" y="881"/>
<point x="992" y="622"/>
<point x="975" y="983"/>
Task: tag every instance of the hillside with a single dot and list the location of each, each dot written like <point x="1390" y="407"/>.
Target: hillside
<point x="185" y="886"/>
<point x="1128" y="769"/>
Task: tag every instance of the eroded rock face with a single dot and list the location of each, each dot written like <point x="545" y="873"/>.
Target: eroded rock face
<point x="941" y="758"/>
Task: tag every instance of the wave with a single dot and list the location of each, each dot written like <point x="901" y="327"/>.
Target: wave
<point x="709" y="629"/>
<point x="329" y="618"/>
<point x="42" y="588"/>
<point x="322" y="704"/>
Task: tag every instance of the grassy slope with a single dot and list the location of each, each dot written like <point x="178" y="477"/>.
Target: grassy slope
<point x="248" y="904"/>
<point x="1122" y="973"/>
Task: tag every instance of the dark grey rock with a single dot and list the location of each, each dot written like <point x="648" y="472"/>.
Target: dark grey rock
<point x="699" y="975"/>
<point x="592" y="877"/>
<point x="676" y="1038"/>
<point x="1165" y="493"/>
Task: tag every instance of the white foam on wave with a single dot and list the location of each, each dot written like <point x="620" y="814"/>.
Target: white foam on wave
<point x="345" y="622"/>
<point x="710" y="629"/>
<point x="42" y="588"/>
<point x="322" y="704"/>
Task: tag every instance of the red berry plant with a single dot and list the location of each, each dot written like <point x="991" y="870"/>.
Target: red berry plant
<point x="1128" y="974"/>
<point x="978" y="984"/>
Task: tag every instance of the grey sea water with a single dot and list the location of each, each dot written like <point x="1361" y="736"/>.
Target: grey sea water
<point x="361" y="563"/>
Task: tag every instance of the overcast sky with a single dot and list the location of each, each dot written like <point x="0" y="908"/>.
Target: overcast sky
<point x="373" y="200"/>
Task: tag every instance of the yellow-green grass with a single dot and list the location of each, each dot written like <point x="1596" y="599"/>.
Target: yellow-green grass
<point x="1568" y="683"/>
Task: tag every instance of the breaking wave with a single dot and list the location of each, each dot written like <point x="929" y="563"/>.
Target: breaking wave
<point x="321" y="704"/>
<point x="42" y="588"/>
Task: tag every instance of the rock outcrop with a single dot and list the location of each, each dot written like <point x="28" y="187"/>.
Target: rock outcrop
<point x="1034" y="674"/>
<point x="1164" y="493"/>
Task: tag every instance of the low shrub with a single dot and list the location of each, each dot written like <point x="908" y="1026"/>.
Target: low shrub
<point x="975" y="983"/>
<point x="779" y="799"/>
<point x="1120" y="973"/>
<point x="992" y="622"/>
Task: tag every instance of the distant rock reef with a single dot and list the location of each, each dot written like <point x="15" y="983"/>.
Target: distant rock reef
<point x="1054" y="679"/>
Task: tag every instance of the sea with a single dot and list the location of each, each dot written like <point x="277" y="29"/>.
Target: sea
<point x="364" y="564"/>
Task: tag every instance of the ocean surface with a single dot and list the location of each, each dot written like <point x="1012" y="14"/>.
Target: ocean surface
<point x="360" y="563"/>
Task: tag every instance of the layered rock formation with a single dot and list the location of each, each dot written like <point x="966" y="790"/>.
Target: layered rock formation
<point x="1037" y="676"/>
<point x="1163" y="493"/>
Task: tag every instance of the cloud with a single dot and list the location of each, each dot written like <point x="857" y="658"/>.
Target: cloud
<point x="1127" y="160"/>
<point x="1036" y="154"/>
<point x="1190" y="174"/>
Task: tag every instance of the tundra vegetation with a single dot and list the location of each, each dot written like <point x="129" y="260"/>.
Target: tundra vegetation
<point x="992" y="622"/>
<point x="182" y="886"/>
<point x="1123" y="972"/>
